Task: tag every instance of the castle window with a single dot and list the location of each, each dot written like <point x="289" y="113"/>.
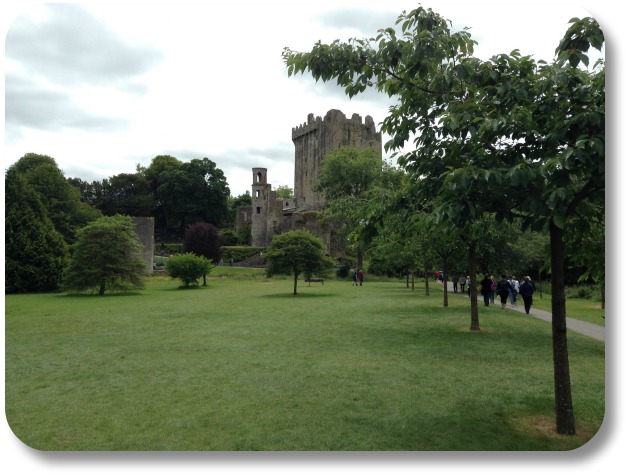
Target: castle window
<point x="256" y="193"/>
<point x="259" y="177"/>
<point x="258" y="210"/>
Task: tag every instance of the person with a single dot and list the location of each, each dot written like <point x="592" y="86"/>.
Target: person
<point x="526" y="290"/>
<point x="361" y="276"/>
<point x="463" y="282"/>
<point x="485" y="289"/>
<point x="354" y="277"/>
<point x="503" y="290"/>
<point x="493" y="289"/>
<point x="469" y="285"/>
<point x="455" y="280"/>
<point x="515" y="289"/>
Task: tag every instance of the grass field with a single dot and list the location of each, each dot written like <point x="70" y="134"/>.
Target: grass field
<point x="242" y="364"/>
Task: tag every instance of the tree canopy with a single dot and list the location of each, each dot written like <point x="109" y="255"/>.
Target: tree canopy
<point x="296" y="252"/>
<point x="106" y="256"/>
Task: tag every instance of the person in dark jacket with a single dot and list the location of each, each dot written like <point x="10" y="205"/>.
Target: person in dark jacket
<point x="485" y="289"/>
<point x="526" y="290"/>
<point x="504" y="288"/>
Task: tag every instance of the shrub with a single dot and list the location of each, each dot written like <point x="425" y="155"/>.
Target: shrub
<point x="188" y="268"/>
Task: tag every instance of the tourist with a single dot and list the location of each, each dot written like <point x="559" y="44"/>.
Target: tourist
<point x="463" y="282"/>
<point x="485" y="289"/>
<point x="515" y="289"/>
<point x="354" y="277"/>
<point x="526" y="290"/>
<point x="503" y="290"/>
<point x="493" y="289"/>
<point x="361" y="277"/>
<point x="455" y="280"/>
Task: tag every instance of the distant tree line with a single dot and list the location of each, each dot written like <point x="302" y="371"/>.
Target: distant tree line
<point x="45" y="211"/>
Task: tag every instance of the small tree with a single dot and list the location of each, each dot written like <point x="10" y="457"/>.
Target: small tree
<point x="188" y="268"/>
<point x="105" y="256"/>
<point x="296" y="252"/>
<point x="203" y="239"/>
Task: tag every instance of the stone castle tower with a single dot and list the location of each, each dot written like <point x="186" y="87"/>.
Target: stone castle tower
<point x="312" y="142"/>
<point x="316" y="138"/>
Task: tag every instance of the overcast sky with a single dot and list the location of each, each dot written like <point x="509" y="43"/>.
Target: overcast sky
<point x="104" y="87"/>
<point x="101" y="88"/>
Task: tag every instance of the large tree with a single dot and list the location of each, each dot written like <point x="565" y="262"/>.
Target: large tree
<point x="60" y="198"/>
<point x="486" y="131"/>
<point x="297" y="252"/>
<point x="35" y="252"/>
<point x="106" y="256"/>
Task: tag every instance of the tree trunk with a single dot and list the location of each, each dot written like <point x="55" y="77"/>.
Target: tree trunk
<point x="296" y="278"/>
<point x="427" y="281"/>
<point x="204" y="280"/>
<point x="445" y="295"/>
<point x="101" y="291"/>
<point x="413" y="281"/>
<point x="565" y="423"/>
<point x="360" y="257"/>
<point x="475" y="318"/>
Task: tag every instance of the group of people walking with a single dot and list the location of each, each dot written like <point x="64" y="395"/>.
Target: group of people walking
<point x="507" y="288"/>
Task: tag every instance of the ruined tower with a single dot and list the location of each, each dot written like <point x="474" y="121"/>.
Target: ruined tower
<point x="267" y="211"/>
<point x="316" y="138"/>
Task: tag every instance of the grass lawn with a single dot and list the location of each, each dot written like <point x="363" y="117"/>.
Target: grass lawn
<point x="242" y="364"/>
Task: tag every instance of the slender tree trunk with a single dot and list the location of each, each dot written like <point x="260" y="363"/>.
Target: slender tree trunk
<point x="360" y="257"/>
<point x="445" y="295"/>
<point x="427" y="281"/>
<point x="204" y="280"/>
<point x="565" y="423"/>
<point x="296" y="278"/>
<point x="101" y="291"/>
<point x="407" y="278"/>
<point x="475" y="318"/>
<point x="413" y="281"/>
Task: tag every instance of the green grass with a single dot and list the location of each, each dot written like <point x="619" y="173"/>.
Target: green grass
<point x="589" y="310"/>
<point x="243" y="365"/>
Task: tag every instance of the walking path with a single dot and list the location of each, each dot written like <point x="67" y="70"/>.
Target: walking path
<point x="581" y="327"/>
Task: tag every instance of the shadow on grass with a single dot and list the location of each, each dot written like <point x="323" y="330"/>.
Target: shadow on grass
<point x="299" y="295"/>
<point x="100" y="296"/>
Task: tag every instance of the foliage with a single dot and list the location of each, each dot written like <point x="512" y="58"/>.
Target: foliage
<point x="35" y="252"/>
<point x="59" y="197"/>
<point x="283" y="191"/>
<point x="203" y="239"/>
<point x="486" y="131"/>
<point x="188" y="267"/>
<point x="239" y="253"/>
<point x="123" y="194"/>
<point x="106" y="256"/>
<point x="296" y="252"/>
<point x="233" y="203"/>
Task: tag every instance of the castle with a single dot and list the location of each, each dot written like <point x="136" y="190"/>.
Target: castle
<point x="312" y="140"/>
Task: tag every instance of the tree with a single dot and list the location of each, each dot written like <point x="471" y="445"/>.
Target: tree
<point x="485" y="131"/>
<point x="188" y="267"/>
<point x="345" y="176"/>
<point x="187" y="192"/>
<point x="283" y="191"/>
<point x="297" y="252"/>
<point x="59" y="197"/>
<point x="106" y="256"/>
<point x="35" y="252"/>
<point x="203" y="239"/>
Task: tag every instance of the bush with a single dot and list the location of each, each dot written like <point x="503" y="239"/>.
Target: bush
<point x="188" y="268"/>
<point x="239" y="253"/>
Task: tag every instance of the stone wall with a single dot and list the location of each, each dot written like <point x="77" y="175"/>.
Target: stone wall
<point x="145" y="229"/>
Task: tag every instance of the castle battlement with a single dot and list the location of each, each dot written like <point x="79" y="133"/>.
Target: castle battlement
<point x="331" y="119"/>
